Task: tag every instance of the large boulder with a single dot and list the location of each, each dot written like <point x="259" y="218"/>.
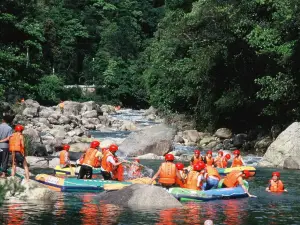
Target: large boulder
<point x="191" y="135"/>
<point x="37" y="162"/>
<point x="32" y="134"/>
<point x="157" y="139"/>
<point x="128" y="126"/>
<point x="58" y="132"/>
<point x="77" y="132"/>
<point x="64" y="120"/>
<point x="262" y="145"/>
<point x="79" y="147"/>
<point x="286" y="146"/>
<point x="90" y="114"/>
<point x="140" y="196"/>
<point x="223" y="133"/>
<point x="45" y="112"/>
<point x="31" y="108"/>
<point x="238" y="140"/>
<point x="107" y="109"/>
<point x="72" y="108"/>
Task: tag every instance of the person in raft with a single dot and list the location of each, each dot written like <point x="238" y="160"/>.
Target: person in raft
<point x="195" y="178"/>
<point x="196" y="158"/>
<point x="135" y="169"/>
<point x="89" y="160"/>
<point x="275" y="184"/>
<point x="180" y="168"/>
<point x="167" y="172"/>
<point x="237" y="159"/>
<point x="236" y="178"/>
<point x="209" y="159"/>
<point x="17" y="148"/>
<point x="64" y="158"/>
<point x="108" y="163"/>
<point x="212" y="178"/>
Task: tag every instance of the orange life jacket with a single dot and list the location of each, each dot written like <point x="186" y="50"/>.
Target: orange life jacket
<point x="167" y="173"/>
<point x="16" y="143"/>
<point x="276" y="186"/>
<point x="218" y="161"/>
<point x="107" y="166"/>
<point x="62" y="157"/>
<point x="118" y="173"/>
<point x="209" y="161"/>
<point x="90" y="157"/>
<point x="192" y="180"/>
<point x="224" y="163"/>
<point x="231" y="180"/>
<point x="196" y="160"/>
<point x="211" y="171"/>
<point x="179" y="181"/>
<point x="237" y="162"/>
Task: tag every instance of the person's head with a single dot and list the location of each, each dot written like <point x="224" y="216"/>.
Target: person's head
<point x="220" y="153"/>
<point x="19" y="128"/>
<point x="179" y="166"/>
<point x="275" y="176"/>
<point x="197" y="153"/>
<point x="199" y="166"/>
<point x="208" y="222"/>
<point x="95" y="144"/>
<point x="169" y="158"/>
<point x="66" y="147"/>
<point x="227" y="157"/>
<point x="236" y="153"/>
<point x="245" y="174"/>
<point x="209" y="153"/>
<point x="113" y="148"/>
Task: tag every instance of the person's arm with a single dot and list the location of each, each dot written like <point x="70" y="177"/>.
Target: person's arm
<point x="199" y="180"/>
<point x="241" y="182"/>
<point x="179" y="175"/>
<point x="155" y="175"/>
<point x="242" y="161"/>
<point x="112" y="161"/>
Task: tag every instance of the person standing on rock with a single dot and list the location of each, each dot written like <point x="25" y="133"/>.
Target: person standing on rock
<point x="167" y="172"/>
<point x="64" y="158"/>
<point x="89" y="160"/>
<point x="108" y="163"/>
<point x="17" y="148"/>
<point x="62" y="106"/>
<point x="5" y="133"/>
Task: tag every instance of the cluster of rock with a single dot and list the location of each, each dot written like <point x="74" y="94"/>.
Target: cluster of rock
<point x="223" y="138"/>
<point x="49" y="128"/>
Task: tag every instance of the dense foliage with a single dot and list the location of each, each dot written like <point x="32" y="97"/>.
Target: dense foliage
<point x="226" y="63"/>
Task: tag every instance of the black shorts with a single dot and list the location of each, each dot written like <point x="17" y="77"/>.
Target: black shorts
<point x="19" y="158"/>
<point x="106" y="175"/>
<point x="85" y="171"/>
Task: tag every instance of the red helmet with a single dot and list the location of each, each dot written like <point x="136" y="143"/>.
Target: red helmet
<point x="169" y="157"/>
<point x="179" y="166"/>
<point x="227" y="156"/>
<point x="221" y="153"/>
<point x="197" y="152"/>
<point x="236" y="152"/>
<point x="247" y="173"/>
<point x="209" y="152"/>
<point x="113" y="148"/>
<point x="66" y="147"/>
<point x="199" y="166"/>
<point x="19" y="128"/>
<point x="137" y="160"/>
<point x="277" y="174"/>
<point x="95" y="144"/>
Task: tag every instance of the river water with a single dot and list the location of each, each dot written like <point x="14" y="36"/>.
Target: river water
<point x="81" y="208"/>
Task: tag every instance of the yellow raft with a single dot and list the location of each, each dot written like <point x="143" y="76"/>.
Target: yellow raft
<point x="224" y="171"/>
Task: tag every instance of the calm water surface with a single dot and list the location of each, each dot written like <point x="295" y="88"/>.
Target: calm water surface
<point x="81" y="208"/>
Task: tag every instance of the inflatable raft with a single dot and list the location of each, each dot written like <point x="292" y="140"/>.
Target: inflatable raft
<point x="73" y="184"/>
<point x="224" y="171"/>
<point x="183" y="194"/>
<point x="67" y="171"/>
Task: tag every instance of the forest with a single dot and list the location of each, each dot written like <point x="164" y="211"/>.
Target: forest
<point x="222" y="62"/>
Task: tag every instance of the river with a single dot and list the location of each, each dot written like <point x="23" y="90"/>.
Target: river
<point x="80" y="208"/>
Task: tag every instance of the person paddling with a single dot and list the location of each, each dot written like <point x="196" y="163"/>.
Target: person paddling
<point x="237" y="159"/>
<point x="108" y="163"/>
<point x="167" y="172"/>
<point x="17" y="148"/>
<point x="275" y="184"/>
<point x="64" y="158"/>
<point x="89" y="160"/>
<point x="236" y="178"/>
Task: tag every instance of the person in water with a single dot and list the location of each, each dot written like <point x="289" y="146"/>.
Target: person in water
<point x="275" y="184"/>
<point x="196" y="158"/>
<point x="108" y="163"/>
<point x="212" y="177"/>
<point x="135" y="170"/>
<point x="17" y="148"/>
<point x="89" y="160"/>
<point x="180" y="168"/>
<point x="209" y="159"/>
<point x="195" y="178"/>
<point x="64" y="158"/>
<point x="236" y="178"/>
<point x="167" y="172"/>
<point x="237" y="159"/>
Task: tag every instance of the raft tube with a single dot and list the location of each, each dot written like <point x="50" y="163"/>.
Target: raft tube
<point x="74" y="184"/>
<point x="183" y="194"/>
<point x="224" y="171"/>
<point x="67" y="171"/>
